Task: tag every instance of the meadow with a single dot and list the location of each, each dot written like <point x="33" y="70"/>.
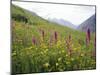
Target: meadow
<point x="41" y="46"/>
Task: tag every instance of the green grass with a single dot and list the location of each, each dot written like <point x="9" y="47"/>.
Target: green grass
<point x="45" y="56"/>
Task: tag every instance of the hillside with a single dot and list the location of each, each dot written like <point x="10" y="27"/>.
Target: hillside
<point x="32" y="18"/>
<point x="89" y="23"/>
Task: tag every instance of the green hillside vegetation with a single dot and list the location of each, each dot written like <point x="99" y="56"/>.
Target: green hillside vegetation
<point x="41" y="46"/>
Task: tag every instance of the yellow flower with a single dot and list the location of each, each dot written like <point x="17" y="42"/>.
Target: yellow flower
<point x="13" y="54"/>
<point x="29" y="48"/>
<point x="46" y="64"/>
<point x="63" y="51"/>
<point x="72" y="45"/>
<point x="72" y="59"/>
<point x="36" y="48"/>
<point x="66" y="55"/>
<point x="75" y="49"/>
<point x="67" y="63"/>
<point x="59" y="59"/>
<point x="57" y="64"/>
<point x="82" y="54"/>
<point x="46" y="49"/>
<point x="58" y="44"/>
<point x="42" y="53"/>
<point x="43" y="46"/>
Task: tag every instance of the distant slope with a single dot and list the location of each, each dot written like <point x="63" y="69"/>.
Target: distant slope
<point x="63" y="22"/>
<point x="20" y="13"/>
<point x="89" y="23"/>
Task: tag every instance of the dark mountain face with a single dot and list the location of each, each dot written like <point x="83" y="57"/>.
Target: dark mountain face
<point x="88" y="24"/>
<point x="63" y="22"/>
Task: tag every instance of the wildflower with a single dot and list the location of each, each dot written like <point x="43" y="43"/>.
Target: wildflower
<point x="66" y="55"/>
<point x="69" y="44"/>
<point x="46" y="64"/>
<point x="43" y="34"/>
<point x="33" y="40"/>
<point x="43" y="46"/>
<point x="63" y="51"/>
<point x="30" y="47"/>
<point x="46" y="50"/>
<point x="36" y="48"/>
<point x="42" y="53"/>
<point x="70" y="38"/>
<point x="51" y="40"/>
<point x="69" y="52"/>
<point x="88" y="34"/>
<point x="87" y="37"/>
<point x="58" y="44"/>
<point x="55" y="36"/>
<point x="13" y="54"/>
<point x="82" y="54"/>
<point x="75" y="49"/>
<point x="59" y="59"/>
<point x="72" y="59"/>
<point x="67" y="63"/>
<point x="57" y="64"/>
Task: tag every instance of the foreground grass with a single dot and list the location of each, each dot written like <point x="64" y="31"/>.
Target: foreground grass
<point x="46" y="54"/>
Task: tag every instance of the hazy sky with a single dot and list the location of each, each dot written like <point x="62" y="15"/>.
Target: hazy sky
<point x="73" y="13"/>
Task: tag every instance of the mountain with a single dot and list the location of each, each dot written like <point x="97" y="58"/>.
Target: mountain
<point x="89" y="23"/>
<point x="63" y="22"/>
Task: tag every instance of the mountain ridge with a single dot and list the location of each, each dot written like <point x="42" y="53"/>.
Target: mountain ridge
<point x="90" y="23"/>
<point x="63" y="22"/>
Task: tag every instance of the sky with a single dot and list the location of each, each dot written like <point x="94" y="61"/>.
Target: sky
<point x="73" y="13"/>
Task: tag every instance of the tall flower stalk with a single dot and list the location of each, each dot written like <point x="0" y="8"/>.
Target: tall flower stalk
<point x="42" y="34"/>
<point x="55" y="36"/>
<point x="34" y="40"/>
<point x="88" y="37"/>
<point x="69" y="45"/>
<point x="51" y="40"/>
